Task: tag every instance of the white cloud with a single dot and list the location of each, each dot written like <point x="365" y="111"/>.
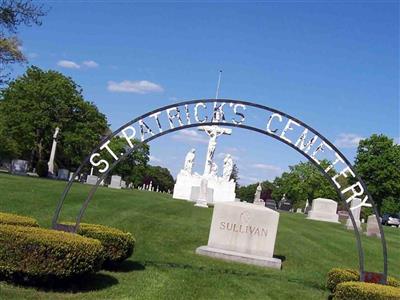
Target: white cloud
<point x="154" y="159"/>
<point x="68" y="64"/>
<point x="138" y="87"/>
<point x="190" y="135"/>
<point x="232" y="149"/>
<point x="248" y="179"/>
<point x="267" y="167"/>
<point x="32" y="55"/>
<point x="348" y="140"/>
<point x="90" y="64"/>
<point x="223" y="154"/>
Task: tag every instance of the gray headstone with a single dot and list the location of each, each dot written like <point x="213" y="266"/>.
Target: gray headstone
<point x="115" y="182"/>
<point x="63" y="174"/>
<point x="19" y="166"/>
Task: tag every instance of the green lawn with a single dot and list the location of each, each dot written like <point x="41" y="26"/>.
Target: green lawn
<point x="168" y="231"/>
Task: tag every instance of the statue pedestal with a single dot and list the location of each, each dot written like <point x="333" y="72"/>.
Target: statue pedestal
<point x="187" y="187"/>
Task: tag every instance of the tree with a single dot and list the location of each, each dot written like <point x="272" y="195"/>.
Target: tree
<point x="378" y="164"/>
<point x="160" y="177"/>
<point x="33" y="105"/>
<point x="133" y="168"/>
<point x="246" y="193"/>
<point x="235" y="175"/>
<point x="14" y="13"/>
<point x="303" y="181"/>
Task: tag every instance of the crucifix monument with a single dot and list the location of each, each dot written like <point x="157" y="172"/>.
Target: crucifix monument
<point x="207" y="188"/>
<point x="213" y="132"/>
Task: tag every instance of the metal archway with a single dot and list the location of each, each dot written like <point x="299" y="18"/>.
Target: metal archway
<point x="232" y="113"/>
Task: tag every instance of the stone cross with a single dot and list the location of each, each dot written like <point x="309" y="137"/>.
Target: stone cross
<point x="213" y="132"/>
<point x="53" y="152"/>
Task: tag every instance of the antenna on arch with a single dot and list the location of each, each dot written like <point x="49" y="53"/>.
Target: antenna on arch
<point x="219" y="82"/>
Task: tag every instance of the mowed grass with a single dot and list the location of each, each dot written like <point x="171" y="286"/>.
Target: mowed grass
<point x="168" y="231"/>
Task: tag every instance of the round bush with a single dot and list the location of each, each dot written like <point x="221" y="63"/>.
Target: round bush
<point x="42" y="168"/>
<point x="118" y="245"/>
<point x="337" y="275"/>
<point x="11" y="219"/>
<point x="365" y="291"/>
<point x="43" y="254"/>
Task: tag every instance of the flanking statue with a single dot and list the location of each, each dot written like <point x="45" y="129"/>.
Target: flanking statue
<point x="189" y="161"/>
<point x="228" y="167"/>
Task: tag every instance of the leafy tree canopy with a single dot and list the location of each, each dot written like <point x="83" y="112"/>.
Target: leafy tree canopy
<point x="33" y="105"/>
<point x="378" y="164"/>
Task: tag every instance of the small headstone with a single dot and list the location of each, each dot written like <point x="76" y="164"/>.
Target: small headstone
<point x="92" y="179"/>
<point x="324" y="210"/>
<point x="356" y="214"/>
<point x="143" y="187"/>
<point x="150" y="188"/>
<point x="285" y="204"/>
<point x="123" y="184"/>
<point x="63" y="174"/>
<point x="243" y="232"/>
<point x="343" y="215"/>
<point x="299" y="211"/>
<point x="19" y="167"/>
<point x="271" y="204"/>
<point x="115" y="182"/>
<point x="373" y="227"/>
<point x="362" y="220"/>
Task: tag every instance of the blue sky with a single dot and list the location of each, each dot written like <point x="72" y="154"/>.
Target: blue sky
<point x="334" y="66"/>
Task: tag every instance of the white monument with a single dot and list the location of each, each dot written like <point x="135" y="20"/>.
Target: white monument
<point x="257" y="196"/>
<point x="53" y="152"/>
<point x="356" y="214"/>
<point x="219" y="189"/>
<point x="324" y="210"/>
<point x="243" y="232"/>
<point x="115" y="182"/>
<point x="202" y="198"/>
<point x="373" y="227"/>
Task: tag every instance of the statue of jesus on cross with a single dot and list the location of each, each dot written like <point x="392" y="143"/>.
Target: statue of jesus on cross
<point x="213" y="132"/>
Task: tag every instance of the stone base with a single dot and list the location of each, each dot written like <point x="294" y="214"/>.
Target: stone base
<point x="187" y="187"/>
<point x="349" y="224"/>
<point x="249" y="259"/>
<point x="321" y="216"/>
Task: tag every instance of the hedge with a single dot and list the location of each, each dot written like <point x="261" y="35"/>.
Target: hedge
<point x="118" y="245"/>
<point x="365" y="291"/>
<point x="337" y="275"/>
<point x="11" y="219"/>
<point x="45" y="254"/>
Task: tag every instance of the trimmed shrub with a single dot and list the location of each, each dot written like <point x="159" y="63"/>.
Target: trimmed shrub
<point x="42" y="168"/>
<point x="365" y="291"/>
<point x="337" y="275"/>
<point x="11" y="219"/>
<point x="32" y="253"/>
<point x="118" y="245"/>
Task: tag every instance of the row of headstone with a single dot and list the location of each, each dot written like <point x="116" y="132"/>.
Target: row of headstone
<point x="325" y="210"/>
